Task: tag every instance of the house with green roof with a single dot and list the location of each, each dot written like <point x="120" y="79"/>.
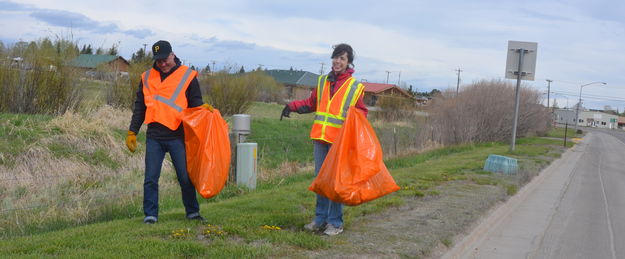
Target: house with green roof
<point x="298" y="84"/>
<point x="93" y="64"/>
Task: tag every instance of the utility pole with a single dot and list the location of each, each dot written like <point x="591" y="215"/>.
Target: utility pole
<point x="387" y="74"/>
<point x="458" y="83"/>
<point x="321" y="71"/>
<point x="213" y="71"/>
<point x="399" y="79"/>
<point x="548" y="90"/>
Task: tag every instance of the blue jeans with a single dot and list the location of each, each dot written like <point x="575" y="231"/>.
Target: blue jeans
<point x="326" y="211"/>
<point x="154" y="155"/>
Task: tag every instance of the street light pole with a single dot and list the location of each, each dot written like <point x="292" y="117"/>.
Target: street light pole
<point x="580" y="101"/>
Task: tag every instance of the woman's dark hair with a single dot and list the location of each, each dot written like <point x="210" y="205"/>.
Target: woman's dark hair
<point x="341" y="48"/>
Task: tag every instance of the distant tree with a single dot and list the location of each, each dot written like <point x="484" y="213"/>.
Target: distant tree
<point x="139" y="56"/>
<point x="291" y="69"/>
<point x="435" y="92"/>
<point x="113" y="50"/>
<point x="86" y="49"/>
<point x="99" y="51"/>
<point x="242" y="70"/>
<point x="193" y="67"/>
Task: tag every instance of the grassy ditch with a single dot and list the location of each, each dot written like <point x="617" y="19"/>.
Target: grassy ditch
<point x="268" y="222"/>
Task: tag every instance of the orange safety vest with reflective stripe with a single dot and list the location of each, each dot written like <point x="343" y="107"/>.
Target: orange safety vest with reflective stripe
<point x="331" y="112"/>
<point x="165" y="100"/>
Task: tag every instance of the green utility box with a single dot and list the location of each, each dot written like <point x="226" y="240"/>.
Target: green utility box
<point x="501" y="164"/>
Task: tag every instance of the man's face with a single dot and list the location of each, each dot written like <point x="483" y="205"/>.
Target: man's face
<point x="166" y="64"/>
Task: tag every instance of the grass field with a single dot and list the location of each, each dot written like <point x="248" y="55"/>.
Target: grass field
<point x="70" y="188"/>
<point x="268" y="222"/>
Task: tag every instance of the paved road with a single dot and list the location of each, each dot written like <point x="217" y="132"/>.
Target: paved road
<point x="574" y="209"/>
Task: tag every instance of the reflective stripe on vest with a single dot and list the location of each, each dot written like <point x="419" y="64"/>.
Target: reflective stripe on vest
<point x="171" y="101"/>
<point x="327" y="124"/>
<point x="159" y="107"/>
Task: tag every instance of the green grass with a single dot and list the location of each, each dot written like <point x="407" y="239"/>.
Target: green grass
<point x="95" y="94"/>
<point x="115" y="230"/>
<point x="241" y="214"/>
<point x="273" y="111"/>
<point x="19" y="132"/>
<point x="280" y="141"/>
<point x="558" y="132"/>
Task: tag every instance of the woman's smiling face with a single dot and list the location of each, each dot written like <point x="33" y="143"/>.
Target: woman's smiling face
<point x="339" y="63"/>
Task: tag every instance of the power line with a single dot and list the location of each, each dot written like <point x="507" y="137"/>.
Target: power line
<point x="588" y="95"/>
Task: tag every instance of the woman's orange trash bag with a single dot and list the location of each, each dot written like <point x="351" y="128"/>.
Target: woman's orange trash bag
<point x="208" y="149"/>
<point x="353" y="171"/>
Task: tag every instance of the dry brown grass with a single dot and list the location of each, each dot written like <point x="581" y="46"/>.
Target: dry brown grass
<point x="43" y="186"/>
<point x="483" y="112"/>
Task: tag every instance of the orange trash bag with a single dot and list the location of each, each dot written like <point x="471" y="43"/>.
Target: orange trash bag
<point x="353" y="171"/>
<point x="208" y="149"/>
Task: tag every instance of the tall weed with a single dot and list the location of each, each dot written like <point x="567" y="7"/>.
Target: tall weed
<point x="234" y="93"/>
<point x="122" y="91"/>
<point x="38" y="77"/>
<point x="483" y="112"/>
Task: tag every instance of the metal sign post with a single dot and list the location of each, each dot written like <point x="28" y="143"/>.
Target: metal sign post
<point x="521" y="69"/>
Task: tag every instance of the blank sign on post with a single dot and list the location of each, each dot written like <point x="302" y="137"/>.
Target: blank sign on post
<point x="529" y="60"/>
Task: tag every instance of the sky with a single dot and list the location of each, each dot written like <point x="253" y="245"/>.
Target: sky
<point x="418" y="43"/>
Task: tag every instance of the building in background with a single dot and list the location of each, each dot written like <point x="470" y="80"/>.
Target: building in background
<point x="564" y="116"/>
<point x="97" y="66"/>
<point x="373" y="92"/>
<point x="297" y="84"/>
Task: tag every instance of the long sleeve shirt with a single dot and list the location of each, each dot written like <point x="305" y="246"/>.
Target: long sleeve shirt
<point x="155" y="129"/>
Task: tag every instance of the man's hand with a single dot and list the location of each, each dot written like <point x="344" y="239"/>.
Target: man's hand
<point x="208" y="107"/>
<point x="285" y="112"/>
<point x="131" y="141"/>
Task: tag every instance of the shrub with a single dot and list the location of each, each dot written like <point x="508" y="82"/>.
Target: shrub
<point x="234" y="93"/>
<point x="268" y="89"/>
<point x="38" y="77"/>
<point x="395" y="108"/>
<point x="483" y="112"/>
<point x="123" y="89"/>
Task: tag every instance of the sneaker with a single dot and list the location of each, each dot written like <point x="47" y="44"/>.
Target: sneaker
<point x="331" y="230"/>
<point x="196" y="216"/>
<point x="312" y="226"/>
<point x="150" y="220"/>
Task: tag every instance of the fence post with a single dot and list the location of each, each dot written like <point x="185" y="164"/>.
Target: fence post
<point x="566" y="128"/>
<point x="395" y="140"/>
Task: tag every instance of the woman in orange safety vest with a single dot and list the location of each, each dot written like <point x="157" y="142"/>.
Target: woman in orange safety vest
<point x="335" y="93"/>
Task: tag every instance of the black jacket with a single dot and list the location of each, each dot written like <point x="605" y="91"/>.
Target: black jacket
<point x="155" y="129"/>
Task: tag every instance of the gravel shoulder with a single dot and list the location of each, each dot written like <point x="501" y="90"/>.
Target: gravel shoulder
<point x="422" y="227"/>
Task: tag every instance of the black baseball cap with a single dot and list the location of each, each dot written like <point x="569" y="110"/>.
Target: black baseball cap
<point x="161" y="49"/>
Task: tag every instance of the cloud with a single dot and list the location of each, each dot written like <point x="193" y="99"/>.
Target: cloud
<point x="70" y="19"/>
<point x="234" y="45"/>
<point x="74" y="20"/>
<point x="139" y="33"/>
<point x="10" y="6"/>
